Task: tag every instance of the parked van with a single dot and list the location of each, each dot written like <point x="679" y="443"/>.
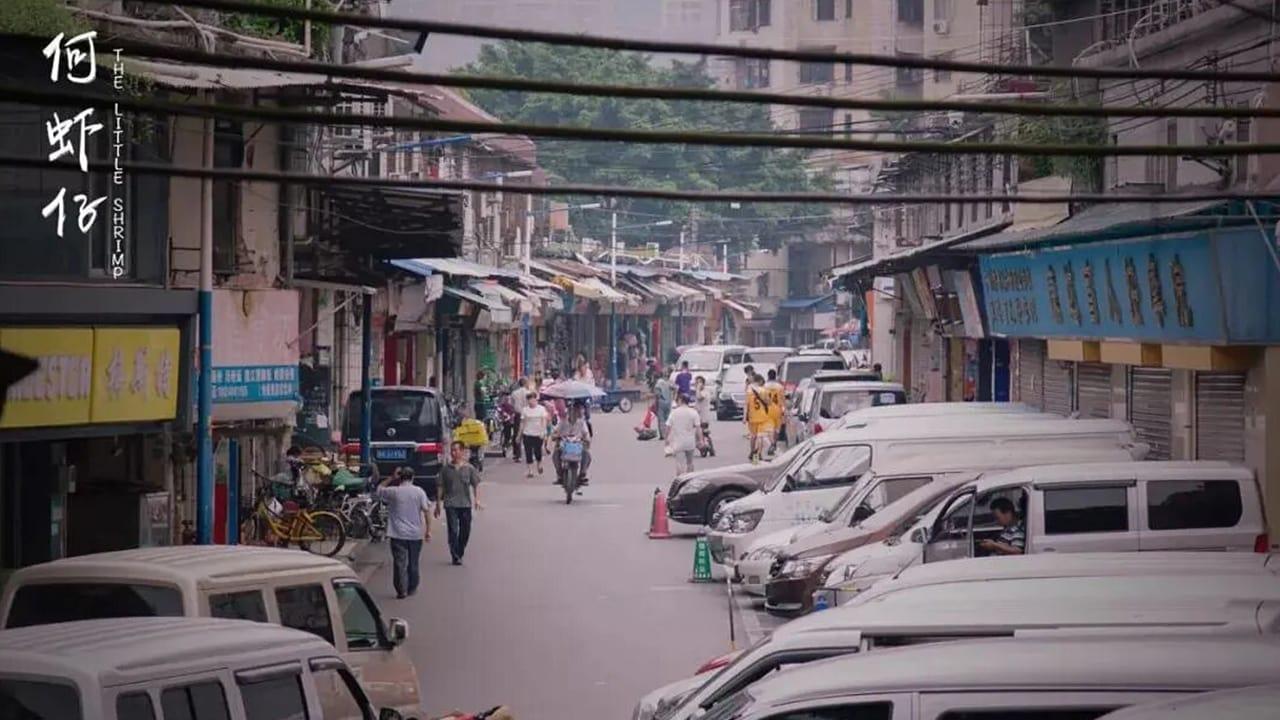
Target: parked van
<point x="771" y="356"/>
<point x="801" y="366"/>
<point x="1254" y="703"/>
<point x="1076" y="678"/>
<point x="408" y="429"/>
<point x="268" y="585"/>
<point x="838" y="459"/>
<point x="706" y="361"/>
<point x="697" y="497"/>
<point x="1197" y="505"/>
<point x="823" y="402"/>
<point x="147" y="668"/>
<point x="1200" y="602"/>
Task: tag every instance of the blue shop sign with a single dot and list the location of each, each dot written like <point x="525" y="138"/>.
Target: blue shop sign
<point x="1209" y="287"/>
<point x="255" y="383"/>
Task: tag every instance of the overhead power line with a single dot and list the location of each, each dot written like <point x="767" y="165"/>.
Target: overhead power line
<point x="26" y="94"/>
<point x="706" y="196"/>
<point x="513" y="84"/>
<point x="689" y="48"/>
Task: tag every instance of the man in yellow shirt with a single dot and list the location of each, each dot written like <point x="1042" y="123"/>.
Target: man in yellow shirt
<point x="759" y="416"/>
<point x="777" y="396"/>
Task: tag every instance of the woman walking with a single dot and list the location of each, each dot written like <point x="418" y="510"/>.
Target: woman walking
<point x="534" y="423"/>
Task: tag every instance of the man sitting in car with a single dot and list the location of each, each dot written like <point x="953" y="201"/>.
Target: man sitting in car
<point x="1013" y="539"/>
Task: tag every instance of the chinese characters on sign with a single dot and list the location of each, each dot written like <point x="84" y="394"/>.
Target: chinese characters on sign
<point x="1055" y="292"/>
<point x="74" y="60"/>
<point x="259" y="383"/>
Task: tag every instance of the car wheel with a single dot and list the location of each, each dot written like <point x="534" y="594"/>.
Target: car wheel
<point x="719" y="500"/>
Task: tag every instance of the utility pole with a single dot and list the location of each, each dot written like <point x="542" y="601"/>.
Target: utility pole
<point x="613" y="306"/>
<point x="204" y="399"/>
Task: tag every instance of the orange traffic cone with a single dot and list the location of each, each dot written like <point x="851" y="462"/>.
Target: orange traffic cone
<point x="658" y="529"/>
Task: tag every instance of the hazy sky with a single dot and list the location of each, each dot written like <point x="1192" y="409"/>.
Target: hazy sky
<point x="624" y="18"/>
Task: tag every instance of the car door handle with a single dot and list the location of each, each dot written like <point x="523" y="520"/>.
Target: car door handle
<point x="1048" y="549"/>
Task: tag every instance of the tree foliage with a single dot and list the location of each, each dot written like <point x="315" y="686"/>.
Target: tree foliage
<point x="42" y="18"/>
<point x="687" y="167"/>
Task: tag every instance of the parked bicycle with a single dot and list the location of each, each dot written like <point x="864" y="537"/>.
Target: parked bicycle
<point x="286" y="522"/>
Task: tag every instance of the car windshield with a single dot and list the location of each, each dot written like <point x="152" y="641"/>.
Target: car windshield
<point x="26" y="699"/>
<point x="702" y="360"/>
<point x="835" y="403"/>
<point x="48" y="603"/>
<point x="402" y="415"/>
<point x="790" y="461"/>
<point x="772" y="357"/>
<point x="845" y="502"/>
<point x="797" y="369"/>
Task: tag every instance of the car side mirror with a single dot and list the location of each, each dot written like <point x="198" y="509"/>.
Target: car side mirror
<point x="862" y="513"/>
<point x="919" y="536"/>
<point x="390" y="714"/>
<point x="397" y="631"/>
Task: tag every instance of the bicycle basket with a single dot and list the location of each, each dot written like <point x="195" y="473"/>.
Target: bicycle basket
<point x="571" y="450"/>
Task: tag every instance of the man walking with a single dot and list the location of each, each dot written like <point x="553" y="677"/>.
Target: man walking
<point x="684" y="381"/>
<point x="776" y="395"/>
<point x="407" y="526"/>
<point x="457" y="493"/>
<point x="684" y="434"/>
<point x="662" y="392"/>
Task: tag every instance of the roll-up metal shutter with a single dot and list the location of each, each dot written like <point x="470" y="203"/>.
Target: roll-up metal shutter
<point x="1031" y="372"/>
<point x="1093" y="390"/>
<point x="1220" y="416"/>
<point x="1151" y="409"/>
<point x="1057" y="387"/>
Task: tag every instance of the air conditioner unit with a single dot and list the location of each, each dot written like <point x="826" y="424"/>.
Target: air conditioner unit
<point x="941" y="27"/>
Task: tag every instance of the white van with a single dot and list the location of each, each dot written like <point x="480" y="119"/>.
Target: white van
<point x="1254" y="703"/>
<point x="837" y="460"/>
<point x="268" y="585"/>
<point x="1107" y="507"/>
<point x="1080" y="678"/>
<point x="1150" y="600"/>
<point x="860" y="568"/>
<point x="149" y="668"/>
<point x="706" y="361"/>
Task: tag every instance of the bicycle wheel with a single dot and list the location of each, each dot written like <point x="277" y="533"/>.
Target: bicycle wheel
<point x="332" y="535"/>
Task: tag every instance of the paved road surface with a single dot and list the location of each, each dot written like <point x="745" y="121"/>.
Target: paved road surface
<point x="566" y="611"/>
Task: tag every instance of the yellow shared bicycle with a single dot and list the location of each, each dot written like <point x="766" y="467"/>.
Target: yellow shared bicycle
<point x="282" y="523"/>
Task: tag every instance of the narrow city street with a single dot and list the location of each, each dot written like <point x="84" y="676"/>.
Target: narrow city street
<point x="567" y="611"/>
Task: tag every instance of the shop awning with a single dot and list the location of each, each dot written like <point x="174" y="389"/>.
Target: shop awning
<point x="493" y="312"/>
<point x="806" y="303"/>
<point x="514" y="299"/>
<point x="739" y="308"/>
<point x="455" y="267"/>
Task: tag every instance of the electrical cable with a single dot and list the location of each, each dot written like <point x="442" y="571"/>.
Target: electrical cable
<point x="39" y="97"/>
<point x="689" y="48"/>
<point x="713" y="196"/>
<point x="514" y="84"/>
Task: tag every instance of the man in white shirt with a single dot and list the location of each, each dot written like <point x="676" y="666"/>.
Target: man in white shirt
<point x="684" y="433"/>
<point x="408" y="523"/>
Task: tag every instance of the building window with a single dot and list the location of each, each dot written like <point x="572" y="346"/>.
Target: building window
<point x="1244" y="134"/>
<point x="848" y="124"/>
<point x="762" y="285"/>
<point x="814" y="73"/>
<point x="228" y="152"/>
<point x="848" y="73"/>
<point x="911" y="12"/>
<point x="816" y="120"/>
<point x="848" y="8"/>
<point x="940" y="75"/>
<point x="943" y="10"/>
<point x="909" y="81"/>
<point x="754" y="72"/>
<point x="824" y="10"/>
<point x="1171" y="162"/>
<point x="748" y="15"/>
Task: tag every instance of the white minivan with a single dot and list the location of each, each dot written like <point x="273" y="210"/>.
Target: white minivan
<point x="293" y="588"/>
<point x="706" y="361"/>
<point x="837" y="460"/>
<point x="1109" y="507"/>
<point x="172" y="668"/>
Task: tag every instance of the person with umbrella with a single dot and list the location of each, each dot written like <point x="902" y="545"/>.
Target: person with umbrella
<point x="572" y="425"/>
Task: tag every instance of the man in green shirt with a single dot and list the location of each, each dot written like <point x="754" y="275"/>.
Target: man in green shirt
<point x="457" y="492"/>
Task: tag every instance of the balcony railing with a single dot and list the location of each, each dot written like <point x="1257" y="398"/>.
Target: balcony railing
<point x="1124" y="21"/>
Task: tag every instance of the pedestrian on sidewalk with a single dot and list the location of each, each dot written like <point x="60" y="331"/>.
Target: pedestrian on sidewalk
<point x="457" y="492"/>
<point x="684" y="434"/>
<point x="663" y="392"/>
<point x="776" y="395"/>
<point x="702" y="403"/>
<point x="759" y="423"/>
<point x="408" y="525"/>
<point x="534" y="423"/>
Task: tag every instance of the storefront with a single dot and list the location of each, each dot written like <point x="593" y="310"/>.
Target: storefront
<point x="1173" y="333"/>
<point x="85" y="441"/>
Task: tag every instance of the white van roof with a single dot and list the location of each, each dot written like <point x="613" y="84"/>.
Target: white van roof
<point x="964" y="426"/>
<point x="117" y="649"/>
<point x="864" y="385"/>
<point x="1049" y="565"/>
<point x="202" y="565"/>
<point x="943" y="409"/>
<point x="1254" y="703"/>
<point x="1167" y="663"/>
<point x="1077" y="473"/>
<point x="1187" y="602"/>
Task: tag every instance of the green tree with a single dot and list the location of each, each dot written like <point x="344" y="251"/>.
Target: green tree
<point x="686" y="167"/>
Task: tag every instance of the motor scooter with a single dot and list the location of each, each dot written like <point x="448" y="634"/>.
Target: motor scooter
<point x="571" y="450"/>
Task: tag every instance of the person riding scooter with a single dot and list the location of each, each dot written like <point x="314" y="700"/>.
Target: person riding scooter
<point x="572" y="425"/>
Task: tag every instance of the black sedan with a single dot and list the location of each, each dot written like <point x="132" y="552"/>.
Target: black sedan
<point x="696" y="497"/>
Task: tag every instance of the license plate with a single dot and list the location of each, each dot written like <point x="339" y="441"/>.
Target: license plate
<point x="391" y="454"/>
